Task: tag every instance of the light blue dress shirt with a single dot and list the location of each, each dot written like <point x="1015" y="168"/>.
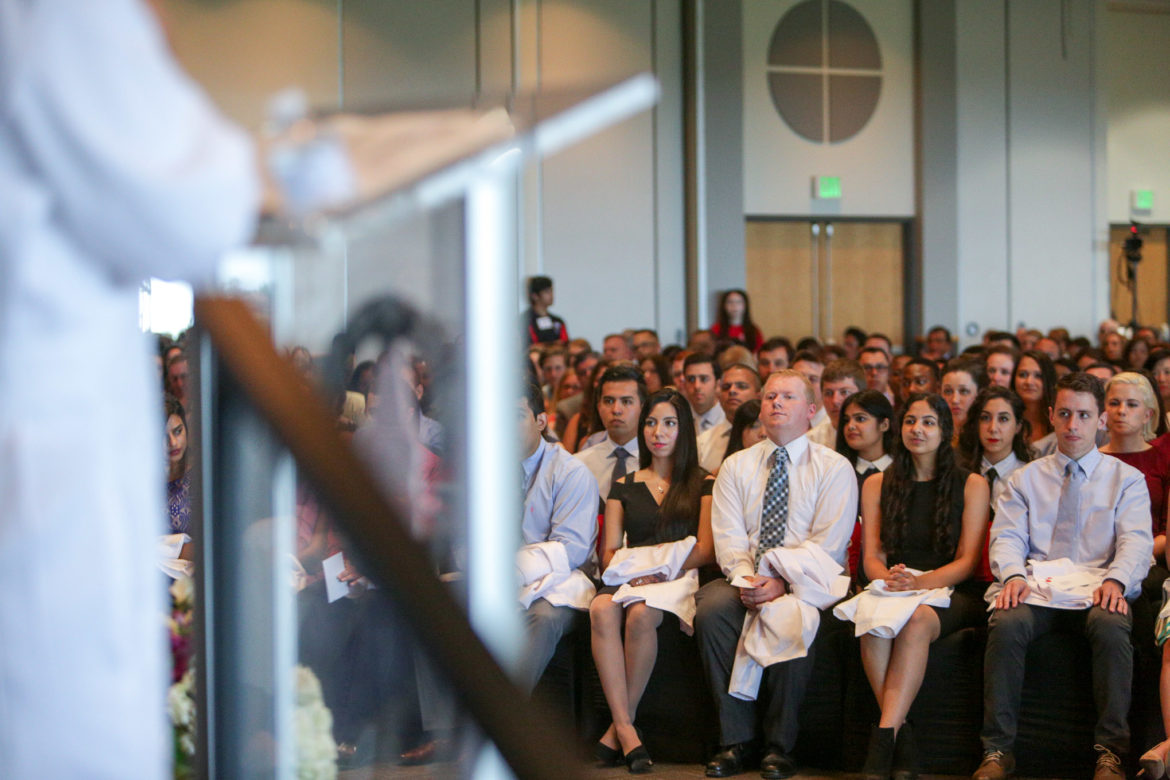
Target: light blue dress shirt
<point x="1113" y="521"/>
<point x="560" y="502"/>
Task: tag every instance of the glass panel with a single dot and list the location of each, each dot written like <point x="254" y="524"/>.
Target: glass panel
<point x="398" y="315"/>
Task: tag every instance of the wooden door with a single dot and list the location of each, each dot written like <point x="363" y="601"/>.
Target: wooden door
<point x="1152" y="303"/>
<point x="817" y="278"/>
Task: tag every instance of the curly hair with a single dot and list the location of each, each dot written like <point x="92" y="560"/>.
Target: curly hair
<point x="898" y="482"/>
<point x="971" y="448"/>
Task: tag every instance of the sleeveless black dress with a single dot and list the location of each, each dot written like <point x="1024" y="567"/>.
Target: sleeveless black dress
<point x="917" y="551"/>
<point x="640" y="516"/>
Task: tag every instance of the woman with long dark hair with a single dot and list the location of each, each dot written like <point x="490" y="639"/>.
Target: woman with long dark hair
<point x="924" y="513"/>
<point x="666" y="500"/>
<point x="178" y="467"/>
<point x="1035" y="383"/>
<point x="994" y="443"/>
<point x="734" y="321"/>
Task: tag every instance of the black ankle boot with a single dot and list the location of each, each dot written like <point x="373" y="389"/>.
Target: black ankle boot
<point x="880" y="756"/>
<point x="905" y="763"/>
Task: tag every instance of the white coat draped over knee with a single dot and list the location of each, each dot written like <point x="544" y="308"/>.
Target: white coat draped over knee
<point x="113" y="168"/>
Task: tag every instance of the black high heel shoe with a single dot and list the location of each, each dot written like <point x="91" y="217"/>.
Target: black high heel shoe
<point x="638" y="761"/>
<point x="607" y="756"/>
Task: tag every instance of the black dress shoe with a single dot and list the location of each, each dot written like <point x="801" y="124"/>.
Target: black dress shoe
<point x="777" y="765"/>
<point x="607" y="756"/>
<point x="638" y="760"/>
<point x="728" y="761"/>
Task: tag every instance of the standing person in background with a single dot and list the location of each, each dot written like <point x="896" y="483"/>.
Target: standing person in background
<point x="114" y="168"/>
<point x="540" y="326"/>
<point x="734" y="321"/>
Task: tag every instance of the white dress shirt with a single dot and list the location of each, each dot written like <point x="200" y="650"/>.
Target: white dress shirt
<point x="712" y="445"/>
<point x="822" y="502"/>
<point x="601" y="460"/>
<point x="1004" y="469"/>
<point x="709" y="419"/>
<point x="881" y="464"/>
<point x="1113" y="525"/>
<point x="824" y="433"/>
<point x="560" y="503"/>
<point x="819" y="417"/>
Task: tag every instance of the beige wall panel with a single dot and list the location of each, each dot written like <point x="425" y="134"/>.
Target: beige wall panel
<point x="402" y="53"/>
<point x="1152" y="303"/>
<point x="242" y="52"/>
<point x="779" y="277"/>
<point x="865" y="283"/>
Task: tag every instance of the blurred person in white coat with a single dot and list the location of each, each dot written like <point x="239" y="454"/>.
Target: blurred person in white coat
<point x="113" y="168"/>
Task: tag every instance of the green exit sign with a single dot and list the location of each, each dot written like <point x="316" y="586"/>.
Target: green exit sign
<point x="1142" y="200"/>
<point x="827" y="187"/>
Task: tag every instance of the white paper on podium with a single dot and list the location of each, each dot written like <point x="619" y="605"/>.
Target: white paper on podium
<point x="332" y="567"/>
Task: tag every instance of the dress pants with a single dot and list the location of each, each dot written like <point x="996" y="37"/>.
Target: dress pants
<point x="1012" y="630"/>
<point x="544" y="626"/>
<point x="718" y="623"/>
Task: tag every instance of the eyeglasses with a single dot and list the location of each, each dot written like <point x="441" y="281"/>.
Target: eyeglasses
<point x="875" y="369"/>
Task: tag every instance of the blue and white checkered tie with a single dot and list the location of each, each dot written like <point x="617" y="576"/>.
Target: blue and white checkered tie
<point x="774" y="517"/>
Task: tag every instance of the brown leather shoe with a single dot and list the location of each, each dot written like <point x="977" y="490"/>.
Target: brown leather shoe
<point x="428" y="753"/>
<point x="1108" y="765"/>
<point x="996" y="765"/>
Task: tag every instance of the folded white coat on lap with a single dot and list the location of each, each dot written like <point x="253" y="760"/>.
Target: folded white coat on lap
<point x="630" y="562"/>
<point x="676" y="595"/>
<point x="784" y="628"/>
<point x="543" y="569"/>
<point x="169" y="547"/>
<point x="1062" y="584"/>
<point x="884" y="613"/>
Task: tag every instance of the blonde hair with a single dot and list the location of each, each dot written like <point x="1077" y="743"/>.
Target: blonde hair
<point x="789" y="373"/>
<point x="1145" y="392"/>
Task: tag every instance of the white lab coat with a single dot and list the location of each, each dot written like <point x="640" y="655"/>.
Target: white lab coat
<point x="113" y="168"/>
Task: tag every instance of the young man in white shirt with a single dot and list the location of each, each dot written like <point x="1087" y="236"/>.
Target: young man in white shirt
<point x="739" y="383"/>
<point x="842" y="378"/>
<point x="812" y="497"/>
<point x="620" y="395"/>
<point x="1094" y="510"/>
<point x="701" y="376"/>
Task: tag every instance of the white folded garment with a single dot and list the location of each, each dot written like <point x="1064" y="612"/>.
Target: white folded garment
<point x="884" y="613"/>
<point x="543" y="568"/>
<point x="1062" y="584"/>
<point x="631" y="562"/>
<point x="784" y="628"/>
<point x="169" y="548"/>
<point x="534" y="561"/>
<point x="676" y="596"/>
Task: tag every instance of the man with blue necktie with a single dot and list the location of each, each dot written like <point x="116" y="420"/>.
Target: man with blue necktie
<point x="1092" y="509"/>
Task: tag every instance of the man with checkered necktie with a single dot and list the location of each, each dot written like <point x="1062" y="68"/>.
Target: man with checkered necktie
<point x="781" y="492"/>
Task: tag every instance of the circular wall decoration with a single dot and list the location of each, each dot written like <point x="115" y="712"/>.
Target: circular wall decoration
<point x="824" y="70"/>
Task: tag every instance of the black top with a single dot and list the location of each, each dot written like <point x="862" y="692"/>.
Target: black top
<point x="918" y="539"/>
<point x="547" y="328"/>
<point x="640" y="512"/>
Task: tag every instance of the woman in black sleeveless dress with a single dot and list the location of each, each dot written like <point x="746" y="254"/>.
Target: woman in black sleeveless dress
<point x="666" y="500"/>
<point x="925" y="513"/>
